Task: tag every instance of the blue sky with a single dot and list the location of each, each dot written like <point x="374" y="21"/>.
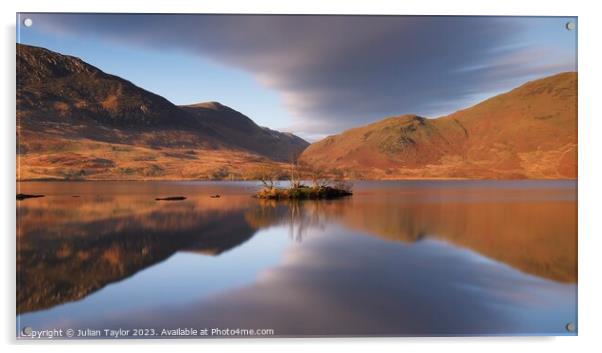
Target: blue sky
<point x="315" y="75"/>
<point x="176" y="75"/>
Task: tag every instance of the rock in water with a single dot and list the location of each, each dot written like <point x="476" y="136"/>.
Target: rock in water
<point x="171" y="198"/>
<point x="27" y="196"/>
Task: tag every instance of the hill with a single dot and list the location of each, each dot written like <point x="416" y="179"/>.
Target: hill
<point x="75" y="121"/>
<point x="529" y="132"/>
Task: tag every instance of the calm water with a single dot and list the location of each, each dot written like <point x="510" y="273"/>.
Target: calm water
<point x="397" y="258"/>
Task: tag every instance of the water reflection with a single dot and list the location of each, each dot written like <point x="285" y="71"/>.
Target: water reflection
<point x="359" y="287"/>
<point x="533" y="231"/>
<point x="69" y="247"/>
<point x="395" y="259"/>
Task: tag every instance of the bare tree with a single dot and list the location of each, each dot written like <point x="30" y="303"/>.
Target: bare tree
<point x="267" y="175"/>
<point x="295" y="173"/>
<point x="318" y="176"/>
<point x="340" y="181"/>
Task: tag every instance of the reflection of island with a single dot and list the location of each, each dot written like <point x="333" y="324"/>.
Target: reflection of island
<point x="531" y="230"/>
<point x="68" y="249"/>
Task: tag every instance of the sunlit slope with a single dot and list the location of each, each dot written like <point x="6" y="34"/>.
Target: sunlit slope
<point x="529" y="132"/>
<point x="75" y="121"/>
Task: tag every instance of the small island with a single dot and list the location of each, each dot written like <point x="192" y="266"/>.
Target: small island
<point x="302" y="192"/>
<point x="323" y="184"/>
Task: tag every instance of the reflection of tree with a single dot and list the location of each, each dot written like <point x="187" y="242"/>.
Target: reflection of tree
<point x="301" y="219"/>
<point x="299" y="215"/>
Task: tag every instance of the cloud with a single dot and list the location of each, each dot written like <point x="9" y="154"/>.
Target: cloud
<point x="335" y="72"/>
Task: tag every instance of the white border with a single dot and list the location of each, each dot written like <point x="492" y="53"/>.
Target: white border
<point x="590" y="175"/>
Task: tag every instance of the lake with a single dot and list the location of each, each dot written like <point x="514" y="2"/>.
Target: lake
<point x="398" y="258"/>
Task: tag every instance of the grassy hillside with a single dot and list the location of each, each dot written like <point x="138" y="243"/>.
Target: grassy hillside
<point x="529" y="132"/>
<point x="76" y="122"/>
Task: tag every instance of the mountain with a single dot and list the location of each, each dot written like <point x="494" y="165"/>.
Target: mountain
<point x="529" y="132"/>
<point x="75" y="121"/>
<point x="229" y="124"/>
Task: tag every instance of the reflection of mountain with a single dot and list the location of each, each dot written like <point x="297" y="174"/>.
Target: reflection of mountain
<point x="341" y="282"/>
<point x="70" y="247"/>
<point x="66" y="252"/>
<point x="531" y="230"/>
<point x="396" y="258"/>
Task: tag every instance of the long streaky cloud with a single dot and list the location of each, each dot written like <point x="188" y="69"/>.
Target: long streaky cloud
<point x="335" y="72"/>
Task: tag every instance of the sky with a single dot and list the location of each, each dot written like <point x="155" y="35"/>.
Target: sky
<point x="315" y="75"/>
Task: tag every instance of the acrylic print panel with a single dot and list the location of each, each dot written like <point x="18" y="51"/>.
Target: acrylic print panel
<point x="202" y="176"/>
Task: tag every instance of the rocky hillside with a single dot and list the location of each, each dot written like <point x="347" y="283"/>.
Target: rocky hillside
<point x="529" y="132"/>
<point x="76" y="122"/>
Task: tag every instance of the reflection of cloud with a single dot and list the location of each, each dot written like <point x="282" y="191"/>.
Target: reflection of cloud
<point x="334" y="72"/>
<point x="339" y="283"/>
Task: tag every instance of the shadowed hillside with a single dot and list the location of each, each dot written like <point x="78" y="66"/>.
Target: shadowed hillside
<point x="529" y="132"/>
<point x="230" y="125"/>
<point x="76" y="122"/>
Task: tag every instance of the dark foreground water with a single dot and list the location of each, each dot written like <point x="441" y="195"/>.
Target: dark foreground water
<point x="397" y="258"/>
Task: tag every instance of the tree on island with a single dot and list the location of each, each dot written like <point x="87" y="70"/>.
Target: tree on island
<point x="295" y="172"/>
<point x="319" y="177"/>
<point x="324" y="184"/>
<point x="268" y="175"/>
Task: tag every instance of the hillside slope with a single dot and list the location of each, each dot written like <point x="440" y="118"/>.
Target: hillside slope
<point x="231" y="125"/>
<point x="76" y="122"/>
<point x="529" y="132"/>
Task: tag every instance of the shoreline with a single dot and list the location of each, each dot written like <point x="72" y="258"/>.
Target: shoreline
<point x="251" y="180"/>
